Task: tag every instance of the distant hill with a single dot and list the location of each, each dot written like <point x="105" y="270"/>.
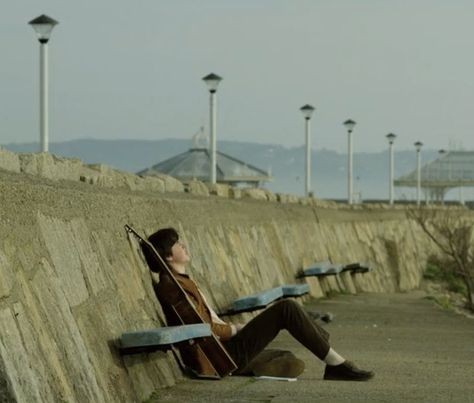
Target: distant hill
<point x="329" y="168"/>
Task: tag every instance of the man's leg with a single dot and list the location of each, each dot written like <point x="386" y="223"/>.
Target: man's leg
<point x="261" y="330"/>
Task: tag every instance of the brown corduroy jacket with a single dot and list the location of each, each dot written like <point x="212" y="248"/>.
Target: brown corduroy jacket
<point x="165" y="291"/>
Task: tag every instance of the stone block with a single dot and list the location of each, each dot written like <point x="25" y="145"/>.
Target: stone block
<point x="271" y="196"/>
<point x="282" y="197"/>
<point x="306" y="201"/>
<point x="235" y="193"/>
<point x="286" y="198"/>
<point x="58" y="237"/>
<point x="105" y="176"/>
<point x="153" y="183"/>
<point x="6" y="275"/>
<point x="147" y="373"/>
<point x="81" y="236"/>
<point x="254" y="193"/>
<point x="171" y="184"/>
<point x="9" y="160"/>
<point x="65" y="336"/>
<point x="22" y="384"/>
<point x="197" y="187"/>
<point x="50" y="166"/>
<point x="219" y="189"/>
<point x="42" y="350"/>
<point x="39" y="349"/>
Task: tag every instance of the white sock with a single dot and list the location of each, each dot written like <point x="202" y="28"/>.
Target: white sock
<point x="333" y="358"/>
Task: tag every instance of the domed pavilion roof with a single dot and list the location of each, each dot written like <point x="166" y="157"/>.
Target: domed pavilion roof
<point x="195" y="164"/>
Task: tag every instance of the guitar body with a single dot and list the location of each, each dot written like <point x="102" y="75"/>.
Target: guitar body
<point x="206" y="356"/>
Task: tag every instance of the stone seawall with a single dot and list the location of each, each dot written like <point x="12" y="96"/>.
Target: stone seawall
<point x="72" y="281"/>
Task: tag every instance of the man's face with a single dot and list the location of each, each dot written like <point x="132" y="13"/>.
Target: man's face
<point x="179" y="253"/>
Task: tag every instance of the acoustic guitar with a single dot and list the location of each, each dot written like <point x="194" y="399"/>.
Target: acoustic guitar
<point x="218" y="361"/>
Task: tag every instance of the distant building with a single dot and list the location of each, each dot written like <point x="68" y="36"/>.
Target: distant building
<point x="455" y="169"/>
<point x="195" y="164"/>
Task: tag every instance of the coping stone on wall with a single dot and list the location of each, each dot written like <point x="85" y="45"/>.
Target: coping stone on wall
<point x="306" y="201"/>
<point x="50" y="166"/>
<point x="152" y="183"/>
<point x="254" y="193"/>
<point x="197" y="187"/>
<point x="105" y="176"/>
<point x="218" y="189"/>
<point x="282" y="197"/>
<point x="324" y="203"/>
<point x="235" y="193"/>
<point x="286" y="198"/>
<point x="171" y="184"/>
<point x="270" y="195"/>
<point x="9" y="161"/>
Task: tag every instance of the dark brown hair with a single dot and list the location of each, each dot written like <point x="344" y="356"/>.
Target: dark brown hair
<point x="163" y="240"/>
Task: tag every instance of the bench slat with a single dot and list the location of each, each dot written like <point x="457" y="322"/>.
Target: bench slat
<point x="322" y="269"/>
<point x="164" y="335"/>
<point x="335" y="269"/>
<point x="357" y="267"/>
<point x="258" y="300"/>
<point x="295" y="290"/>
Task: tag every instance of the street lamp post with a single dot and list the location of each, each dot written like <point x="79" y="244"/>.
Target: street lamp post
<point x="349" y="126"/>
<point x="43" y="25"/>
<point x="307" y="111"/>
<point x="418" y="146"/>
<point x="442" y="152"/>
<point x="391" y="138"/>
<point x="212" y="80"/>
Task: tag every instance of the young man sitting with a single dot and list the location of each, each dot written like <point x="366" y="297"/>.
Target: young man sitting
<point x="244" y="343"/>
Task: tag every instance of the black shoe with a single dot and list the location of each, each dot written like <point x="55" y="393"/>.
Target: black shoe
<point x="346" y="372"/>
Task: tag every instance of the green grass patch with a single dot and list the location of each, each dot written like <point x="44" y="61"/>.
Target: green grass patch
<point x="445" y="274"/>
<point x="442" y="301"/>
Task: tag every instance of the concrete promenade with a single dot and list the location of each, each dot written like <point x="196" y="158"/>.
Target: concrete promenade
<point x="419" y="352"/>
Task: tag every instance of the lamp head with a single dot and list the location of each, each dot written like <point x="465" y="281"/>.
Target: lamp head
<point x="349" y="123"/>
<point x="391" y="137"/>
<point x="43" y="25"/>
<point x="307" y="111"/>
<point x="418" y="145"/>
<point x="212" y="80"/>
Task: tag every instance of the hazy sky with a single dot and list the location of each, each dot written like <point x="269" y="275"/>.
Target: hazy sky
<point x="133" y="69"/>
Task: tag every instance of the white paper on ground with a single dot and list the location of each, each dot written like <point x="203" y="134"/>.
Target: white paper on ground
<point x="276" y="378"/>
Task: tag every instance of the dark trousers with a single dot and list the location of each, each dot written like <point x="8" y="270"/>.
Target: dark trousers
<point x="262" y="329"/>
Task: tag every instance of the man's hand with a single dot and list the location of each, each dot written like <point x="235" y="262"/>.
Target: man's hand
<point x="236" y="327"/>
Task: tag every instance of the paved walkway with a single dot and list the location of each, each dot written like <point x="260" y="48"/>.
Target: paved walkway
<point x="419" y="352"/>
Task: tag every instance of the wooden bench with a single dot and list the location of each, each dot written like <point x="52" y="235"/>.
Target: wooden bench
<point x="161" y="338"/>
